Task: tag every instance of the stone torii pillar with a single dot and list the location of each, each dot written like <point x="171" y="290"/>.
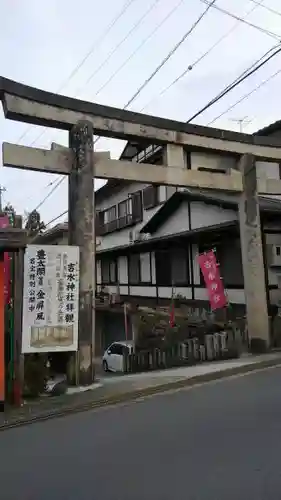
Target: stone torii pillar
<point x="252" y="257"/>
<point x="81" y="233"/>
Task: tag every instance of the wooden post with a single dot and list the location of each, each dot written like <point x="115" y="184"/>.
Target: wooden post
<point x="81" y="233"/>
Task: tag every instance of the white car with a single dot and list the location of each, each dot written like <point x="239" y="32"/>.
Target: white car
<point x="113" y="357"/>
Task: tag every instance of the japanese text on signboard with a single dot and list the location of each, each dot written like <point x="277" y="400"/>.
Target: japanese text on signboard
<point x="51" y="291"/>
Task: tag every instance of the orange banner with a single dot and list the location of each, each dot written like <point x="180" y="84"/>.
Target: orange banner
<point x="2" y="331"/>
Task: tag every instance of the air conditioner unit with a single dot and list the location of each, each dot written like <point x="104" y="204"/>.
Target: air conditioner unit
<point x="274" y="255"/>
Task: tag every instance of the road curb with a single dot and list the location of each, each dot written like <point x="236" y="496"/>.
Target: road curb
<point x="133" y="395"/>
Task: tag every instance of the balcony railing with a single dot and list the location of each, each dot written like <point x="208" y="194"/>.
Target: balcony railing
<point x="114" y="225"/>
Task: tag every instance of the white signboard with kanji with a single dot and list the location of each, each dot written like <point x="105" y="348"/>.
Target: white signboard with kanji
<point x="50" y="298"/>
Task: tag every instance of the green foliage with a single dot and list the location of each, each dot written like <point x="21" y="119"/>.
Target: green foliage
<point x="34" y="224"/>
<point x="9" y="210"/>
<point x="154" y="331"/>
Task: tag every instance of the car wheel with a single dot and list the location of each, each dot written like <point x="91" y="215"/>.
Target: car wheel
<point x="105" y="365"/>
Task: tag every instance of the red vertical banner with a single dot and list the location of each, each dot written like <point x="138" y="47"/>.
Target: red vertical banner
<point x="4" y="222"/>
<point x="172" y="319"/>
<point x="2" y="332"/>
<point x="211" y="274"/>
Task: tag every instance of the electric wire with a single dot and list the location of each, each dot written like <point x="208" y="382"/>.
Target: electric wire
<point x="105" y="61"/>
<point x="245" y="74"/>
<point x="157" y="69"/>
<point x="245" y="96"/>
<point x="166" y="59"/>
<point x="269" y="9"/>
<point x="140" y="46"/>
<point x="50" y="222"/>
<point x="209" y="5"/>
<point x="92" y="49"/>
<point x="191" y="66"/>
<point x="170" y="54"/>
<point x="56" y="218"/>
<point x="135" y="26"/>
<point x="123" y="10"/>
<point x="248" y="23"/>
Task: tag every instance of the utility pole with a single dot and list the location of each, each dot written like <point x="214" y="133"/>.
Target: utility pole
<point x="241" y="122"/>
<point x="2" y="190"/>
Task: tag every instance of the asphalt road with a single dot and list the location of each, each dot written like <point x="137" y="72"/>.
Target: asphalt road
<point x="219" y="441"/>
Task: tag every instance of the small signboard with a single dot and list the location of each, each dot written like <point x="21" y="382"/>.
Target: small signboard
<point x="50" y="298"/>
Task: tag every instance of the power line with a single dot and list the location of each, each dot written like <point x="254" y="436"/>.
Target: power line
<point x="250" y="71"/>
<point x="97" y="42"/>
<point x="224" y="112"/>
<point x="269" y="9"/>
<point x="125" y="7"/>
<point x="60" y="180"/>
<point x="252" y="25"/>
<point x="166" y="59"/>
<point x="56" y="218"/>
<point x="169" y="55"/>
<point x="191" y="66"/>
<point x="157" y="27"/>
<point x="163" y="62"/>
<point x="244" y="97"/>
<point x="134" y="27"/>
<point x="50" y="222"/>
<point x="209" y="5"/>
<point x="140" y="20"/>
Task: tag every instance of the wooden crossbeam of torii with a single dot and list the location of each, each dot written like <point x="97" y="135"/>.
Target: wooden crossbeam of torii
<point x="38" y="107"/>
<point x="58" y="161"/>
<point x="83" y="120"/>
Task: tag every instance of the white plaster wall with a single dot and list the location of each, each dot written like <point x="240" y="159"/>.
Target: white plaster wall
<point x="177" y="223"/>
<point x="195" y="265"/>
<point x="268" y="170"/>
<point x="165" y="292"/>
<point x="121" y="195"/>
<point x="235" y="296"/>
<point x="98" y="277"/>
<point x="211" y="161"/>
<point x="209" y="215"/>
<point x="121" y="238"/>
<point x="153" y="269"/>
<point x="143" y="291"/>
<point x="273" y="239"/>
<point x="122" y="269"/>
<point x="124" y="290"/>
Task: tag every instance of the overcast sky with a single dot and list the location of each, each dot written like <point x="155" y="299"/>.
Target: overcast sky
<point x="42" y="42"/>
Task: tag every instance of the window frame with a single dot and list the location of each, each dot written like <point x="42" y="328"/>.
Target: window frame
<point x="153" y="189"/>
<point x="187" y="281"/>
<point x="130" y="257"/>
<point x="109" y="263"/>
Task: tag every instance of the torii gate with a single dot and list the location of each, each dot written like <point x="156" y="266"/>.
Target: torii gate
<point x="82" y="119"/>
